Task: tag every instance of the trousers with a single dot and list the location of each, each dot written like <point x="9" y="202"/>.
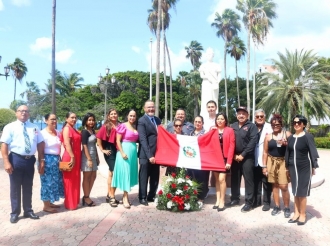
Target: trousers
<point x="261" y="183"/>
<point x="148" y="172"/>
<point x="21" y="182"/>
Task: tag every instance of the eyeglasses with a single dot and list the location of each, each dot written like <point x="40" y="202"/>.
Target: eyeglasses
<point x="276" y="125"/>
<point x="177" y="125"/>
<point x="53" y="119"/>
<point x="260" y="116"/>
<point x="23" y="111"/>
<point x="296" y="123"/>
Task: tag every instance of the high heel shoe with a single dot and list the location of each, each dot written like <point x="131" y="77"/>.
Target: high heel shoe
<point x="293" y="221"/>
<point x="91" y="204"/>
<point x="83" y="201"/>
<point x="215" y="206"/>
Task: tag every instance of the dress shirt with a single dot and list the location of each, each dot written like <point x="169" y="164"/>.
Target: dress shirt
<point x="208" y="123"/>
<point x="13" y="136"/>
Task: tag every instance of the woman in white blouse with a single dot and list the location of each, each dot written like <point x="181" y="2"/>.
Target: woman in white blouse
<point x="51" y="177"/>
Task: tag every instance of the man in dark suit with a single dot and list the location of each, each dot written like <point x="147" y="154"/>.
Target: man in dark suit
<point x="147" y="128"/>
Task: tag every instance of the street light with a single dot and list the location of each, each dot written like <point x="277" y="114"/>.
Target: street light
<point x="6" y="70"/>
<point x="104" y="87"/>
<point x="150" y="84"/>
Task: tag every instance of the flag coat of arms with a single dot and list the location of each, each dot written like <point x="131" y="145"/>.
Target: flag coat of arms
<point x="202" y="153"/>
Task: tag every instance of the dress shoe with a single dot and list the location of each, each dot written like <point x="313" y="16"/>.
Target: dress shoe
<point x="293" y="221"/>
<point x="31" y="215"/>
<point x="246" y="208"/>
<point x="255" y="205"/>
<point x="221" y="209"/>
<point x="13" y="218"/>
<point x="266" y="207"/>
<point x="143" y="202"/>
<point x="150" y="199"/>
<point x="287" y="212"/>
<point x="232" y="203"/>
<point x="301" y="222"/>
<point x="276" y="211"/>
<point x="215" y="207"/>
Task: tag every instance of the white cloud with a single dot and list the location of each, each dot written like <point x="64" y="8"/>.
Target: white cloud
<point x="1" y="6"/>
<point x="41" y="44"/>
<point x="63" y="56"/>
<point x="21" y="3"/>
<point x="219" y="6"/>
<point x="136" y="49"/>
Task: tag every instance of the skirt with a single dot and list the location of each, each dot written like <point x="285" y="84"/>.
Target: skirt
<point x="52" y="180"/>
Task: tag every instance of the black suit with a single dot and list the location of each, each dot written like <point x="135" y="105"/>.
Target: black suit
<point x="147" y="149"/>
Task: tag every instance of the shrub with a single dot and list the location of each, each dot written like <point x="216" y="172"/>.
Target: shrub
<point x="322" y="142"/>
<point x="6" y="116"/>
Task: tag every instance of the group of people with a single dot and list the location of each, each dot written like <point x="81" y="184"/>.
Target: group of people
<point x="268" y="157"/>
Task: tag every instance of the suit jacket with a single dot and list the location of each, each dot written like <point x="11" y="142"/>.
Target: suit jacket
<point x="147" y="137"/>
<point x="259" y="150"/>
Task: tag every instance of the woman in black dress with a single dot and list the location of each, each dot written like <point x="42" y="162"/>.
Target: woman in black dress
<point x="301" y="160"/>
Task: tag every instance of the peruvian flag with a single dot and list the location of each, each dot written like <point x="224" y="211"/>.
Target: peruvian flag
<point x="202" y="153"/>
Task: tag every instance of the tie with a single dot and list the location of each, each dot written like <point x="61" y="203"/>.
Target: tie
<point x="153" y="121"/>
<point x="26" y="140"/>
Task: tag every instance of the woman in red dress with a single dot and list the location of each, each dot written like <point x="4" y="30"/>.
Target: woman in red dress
<point x="71" y="140"/>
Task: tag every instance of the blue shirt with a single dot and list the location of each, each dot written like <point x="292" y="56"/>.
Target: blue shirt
<point x="13" y="136"/>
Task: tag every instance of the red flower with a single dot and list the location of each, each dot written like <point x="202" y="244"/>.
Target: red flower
<point x="181" y="207"/>
<point x="169" y="195"/>
<point x="195" y="192"/>
<point x="173" y="175"/>
<point x="179" y="200"/>
<point x="160" y="192"/>
<point x="185" y="187"/>
<point x="173" y="185"/>
<point x="187" y="177"/>
<point x="187" y="197"/>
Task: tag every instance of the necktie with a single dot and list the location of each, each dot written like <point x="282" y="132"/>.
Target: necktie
<point x="153" y="121"/>
<point x="26" y="140"/>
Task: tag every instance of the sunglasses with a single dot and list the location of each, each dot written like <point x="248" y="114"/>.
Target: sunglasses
<point x="260" y="116"/>
<point x="177" y="125"/>
<point x="296" y="123"/>
<point x="276" y="125"/>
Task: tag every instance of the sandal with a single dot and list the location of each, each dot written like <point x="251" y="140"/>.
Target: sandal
<point x="113" y="202"/>
<point x="51" y="210"/>
<point x="84" y="203"/>
<point x="107" y="199"/>
<point x="52" y="205"/>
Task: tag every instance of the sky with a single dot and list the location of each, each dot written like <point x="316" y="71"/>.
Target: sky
<point x="92" y="35"/>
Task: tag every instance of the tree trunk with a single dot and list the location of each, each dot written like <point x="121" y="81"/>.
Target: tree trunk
<point x="170" y="67"/>
<point x="196" y="109"/>
<point x="53" y="59"/>
<point x="158" y="57"/>
<point x="248" y="71"/>
<point x="15" y="90"/>
<point x="164" y="61"/>
<point x="226" y="96"/>
<point x="237" y="85"/>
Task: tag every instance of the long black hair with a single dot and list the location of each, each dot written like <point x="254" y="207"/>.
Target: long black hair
<point x="85" y="119"/>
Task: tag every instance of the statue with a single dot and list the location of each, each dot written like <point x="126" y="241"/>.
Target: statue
<point x="210" y="72"/>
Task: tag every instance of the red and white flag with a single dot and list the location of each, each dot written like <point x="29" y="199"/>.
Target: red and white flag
<point x="202" y="153"/>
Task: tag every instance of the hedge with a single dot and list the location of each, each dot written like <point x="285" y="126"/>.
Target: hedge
<point x="322" y="142"/>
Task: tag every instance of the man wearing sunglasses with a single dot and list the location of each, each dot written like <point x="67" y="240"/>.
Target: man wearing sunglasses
<point x="260" y="180"/>
<point x="20" y="141"/>
<point x="243" y="163"/>
<point x="187" y="127"/>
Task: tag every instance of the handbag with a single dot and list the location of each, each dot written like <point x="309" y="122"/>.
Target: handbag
<point x="65" y="166"/>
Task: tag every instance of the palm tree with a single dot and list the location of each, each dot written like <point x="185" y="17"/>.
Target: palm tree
<point x="32" y="88"/>
<point x="236" y="48"/>
<point x="158" y="57"/>
<point x="70" y="83"/>
<point x="287" y="91"/>
<point x="194" y="53"/>
<point x="165" y="21"/>
<point x="19" y="68"/>
<point x="257" y="16"/>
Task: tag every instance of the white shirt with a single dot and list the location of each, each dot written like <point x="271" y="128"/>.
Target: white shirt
<point x="13" y="136"/>
<point x="52" y="143"/>
<point x="208" y="123"/>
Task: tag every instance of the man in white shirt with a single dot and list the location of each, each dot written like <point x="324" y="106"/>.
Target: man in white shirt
<point x="209" y="121"/>
<point x="20" y="140"/>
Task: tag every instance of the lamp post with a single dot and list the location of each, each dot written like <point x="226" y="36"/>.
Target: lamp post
<point x="104" y="87"/>
<point x="6" y="70"/>
<point x="150" y="85"/>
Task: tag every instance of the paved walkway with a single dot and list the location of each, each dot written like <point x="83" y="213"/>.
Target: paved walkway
<point x="140" y="225"/>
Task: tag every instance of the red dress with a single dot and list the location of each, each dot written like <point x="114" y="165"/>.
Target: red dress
<point x="71" y="179"/>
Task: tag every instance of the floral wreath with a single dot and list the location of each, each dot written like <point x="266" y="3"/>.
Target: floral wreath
<point x="179" y="193"/>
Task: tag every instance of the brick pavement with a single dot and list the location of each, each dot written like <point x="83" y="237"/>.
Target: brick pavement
<point x="140" y="225"/>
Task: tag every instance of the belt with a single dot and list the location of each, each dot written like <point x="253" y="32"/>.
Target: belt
<point x="23" y="156"/>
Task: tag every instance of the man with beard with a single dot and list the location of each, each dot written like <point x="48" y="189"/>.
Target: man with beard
<point x="187" y="127"/>
<point x="243" y="164"/>
<point x="147" y="128"/>
<point x="260" y="180"/>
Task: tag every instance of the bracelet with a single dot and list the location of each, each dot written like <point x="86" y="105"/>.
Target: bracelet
<point x="42" y="160"/>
